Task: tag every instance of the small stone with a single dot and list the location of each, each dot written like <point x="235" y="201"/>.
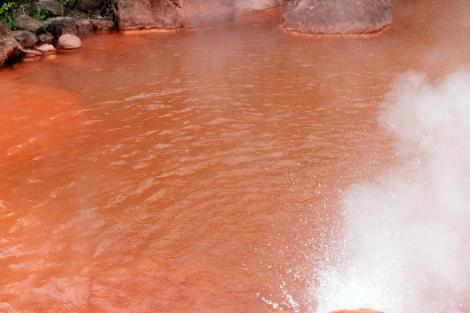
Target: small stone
<point x="46" y="38"/>
<point x="30" y="53"/>
<point x="25" y="38"/>
<point x="46" y="49"/>
<point x="69" y="41"/>
<point x="102" y="25"/>
<point x="52" y="7"/>
<point x="26" y="22"/>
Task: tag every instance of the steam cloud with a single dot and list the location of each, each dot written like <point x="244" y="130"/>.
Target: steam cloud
<point x="405" y="247"/>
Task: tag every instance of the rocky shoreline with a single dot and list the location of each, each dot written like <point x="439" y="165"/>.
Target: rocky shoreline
<point x="33" y="38"/>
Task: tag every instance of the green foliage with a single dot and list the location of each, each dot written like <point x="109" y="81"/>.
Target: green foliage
<point x="7" y="14"/>
<point x="38" y="12"/>
<point x="65" y="3"/>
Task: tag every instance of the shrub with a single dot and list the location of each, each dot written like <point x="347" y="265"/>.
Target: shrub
<point x="7" y="13"/>
<point x="38" y="12"/>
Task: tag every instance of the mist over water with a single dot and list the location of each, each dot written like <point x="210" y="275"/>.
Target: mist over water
<point x="405" y="244"/>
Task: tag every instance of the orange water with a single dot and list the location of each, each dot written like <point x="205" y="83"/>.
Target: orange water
<point x="197" y="171"/>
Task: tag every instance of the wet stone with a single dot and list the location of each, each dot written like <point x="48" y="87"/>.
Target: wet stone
<point x="69" y="42"/>
<point x="31" y="53"/>
<point x="46" y="49"/>
<point x="25" y="38"/>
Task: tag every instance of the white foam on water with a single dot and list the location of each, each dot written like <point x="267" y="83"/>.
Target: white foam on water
<point x="405" y="246"/>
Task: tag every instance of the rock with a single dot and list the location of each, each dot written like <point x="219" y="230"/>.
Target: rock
<point x="52" y="7"/>
<point x="61" y="25"/>
<point x="200" y="13"/>
<point x="46" y="49"/>
<point x="58" y="26"/>
<point x="46" y="38"/>
<point x="10" y="49"/>
<point x="25" y="38"/>
<point x="141" y="14"/>
<point x="338" y="16"/>
<point x="68" y="42"/>
<point x="83" y="26"/>
<point x="26" y="22"/>
<point x="102" y="25"/>
<point x="30" y="53"/>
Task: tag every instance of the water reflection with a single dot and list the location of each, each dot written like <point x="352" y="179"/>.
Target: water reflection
<point x="195" y="171"/>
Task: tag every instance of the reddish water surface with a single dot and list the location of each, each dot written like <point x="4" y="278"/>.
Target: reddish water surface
<point x="197" y="171"/>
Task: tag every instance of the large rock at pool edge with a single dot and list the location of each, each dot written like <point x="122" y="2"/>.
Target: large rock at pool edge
<point x="169" y="14"/>
<point x="10" y="49"/>
<point x="338" y="16"/>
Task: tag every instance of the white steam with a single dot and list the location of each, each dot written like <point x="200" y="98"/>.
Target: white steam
<point x="405" y="247"/>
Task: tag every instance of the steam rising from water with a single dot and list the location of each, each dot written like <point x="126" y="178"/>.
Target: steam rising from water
<point x="405" y="246"/>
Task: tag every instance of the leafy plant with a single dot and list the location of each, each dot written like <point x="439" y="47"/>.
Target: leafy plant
<point x="38" y="12"/>
<point x="7" y="14"/>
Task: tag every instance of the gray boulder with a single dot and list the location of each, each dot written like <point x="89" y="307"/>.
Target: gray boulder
<point x="167" y="14"/>
<point x="10" y="49"/>
<point x="25" y="38"/>
<point x="69" y="42"/>
<point x="52" y="7"/>
<point x="338" y="16"/>
<point x="26" y="22"/>
<point x="61" y="25"/>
